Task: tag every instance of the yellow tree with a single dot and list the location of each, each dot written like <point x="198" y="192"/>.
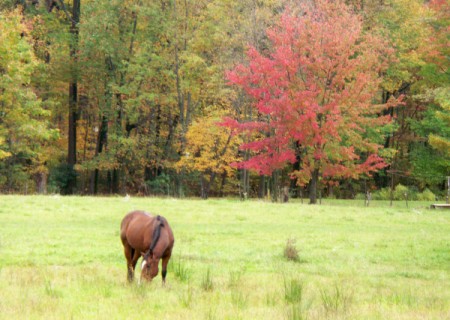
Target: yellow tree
<point x="210" y="149"/>
<point x="441" y="142"/>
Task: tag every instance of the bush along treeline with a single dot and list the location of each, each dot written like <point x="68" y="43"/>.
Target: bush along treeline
<point x="273" y="98"/>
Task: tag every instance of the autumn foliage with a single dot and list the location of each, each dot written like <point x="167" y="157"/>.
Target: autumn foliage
<point x="210" y="150"/>
<point x="123" y="97"/>
<point x="314" y="94"/>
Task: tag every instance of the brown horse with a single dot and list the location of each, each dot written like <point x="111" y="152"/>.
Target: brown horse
<point x="147" y="236"/>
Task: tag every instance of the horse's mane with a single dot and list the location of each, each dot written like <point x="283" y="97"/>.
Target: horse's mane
<point x="156" y="233"/>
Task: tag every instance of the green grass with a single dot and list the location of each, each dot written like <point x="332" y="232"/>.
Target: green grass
<point x="61" y="258"/>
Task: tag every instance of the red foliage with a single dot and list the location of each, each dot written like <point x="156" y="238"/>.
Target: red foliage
<point x="314" y="88"/>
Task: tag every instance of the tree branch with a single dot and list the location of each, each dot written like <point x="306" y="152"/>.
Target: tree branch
<point x="63" y="6"/>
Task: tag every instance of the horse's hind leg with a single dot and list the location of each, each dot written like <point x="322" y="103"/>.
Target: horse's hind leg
<point x="136" y="256"/>
<point x="129" y="253"/>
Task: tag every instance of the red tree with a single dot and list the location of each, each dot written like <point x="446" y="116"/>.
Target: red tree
<point x="313" y="91"/>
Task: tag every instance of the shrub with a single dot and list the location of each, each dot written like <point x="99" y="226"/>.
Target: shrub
<point x="360" y="196"/>
<point x="59" y="178"/>
<point x="159" y="185"/>
<point x="290" y="251"/>
<point x="382" y="194"/>
<point x="400" y="191"/>
<point x="426" y="195"/>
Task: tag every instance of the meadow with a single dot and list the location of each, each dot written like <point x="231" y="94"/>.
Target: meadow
<point x="61" y="258"/>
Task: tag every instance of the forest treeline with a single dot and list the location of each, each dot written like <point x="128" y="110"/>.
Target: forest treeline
<point x="224" y="98"/>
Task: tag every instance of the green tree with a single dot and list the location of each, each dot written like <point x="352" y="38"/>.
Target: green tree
<point x="25" y="131"/>
<point x="430" y="155"/>
<point x="411" y="27"/>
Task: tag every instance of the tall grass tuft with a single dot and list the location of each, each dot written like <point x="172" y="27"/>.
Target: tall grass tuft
<point x="186" y="297"/>
<point x="141" y="291"/>
<point x="211" y="315"/>
<point x="295" y="312"/>
<point x="406" y="297"/>
<point x="239" y="299"/>
<point x="207" y="281"/>
<point x="235" y="278"/>
<point x="293" y="290"/>
<point x="294" y="295"/>
<point x="272" y="298"/>
<point x="51" y="291"/>
<point x="181" y="272"/>
<point x="337" y="299"/>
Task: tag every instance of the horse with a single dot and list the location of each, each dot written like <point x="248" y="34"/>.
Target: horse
<point x="150" y="237"/>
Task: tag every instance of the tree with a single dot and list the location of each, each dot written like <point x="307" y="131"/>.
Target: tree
<point x="210" y="150"/>
<point x="430" y="154"/>
<point x="314" y="92"/>
<point x="437" y="141"/>
<point x="222" y="43"/>
<point x="26" y="134"/>
<point x="73" y="20"/>
<point x="73" y="95"/>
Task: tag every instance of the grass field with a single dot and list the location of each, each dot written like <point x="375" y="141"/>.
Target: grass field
<point x="61" y="258"/>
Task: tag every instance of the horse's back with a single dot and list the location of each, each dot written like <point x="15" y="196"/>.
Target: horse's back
<point x="171" y="238"/>
<point x="133" y="224"/>
<point x="136" y="230"/>
<point x="134" y="215"/>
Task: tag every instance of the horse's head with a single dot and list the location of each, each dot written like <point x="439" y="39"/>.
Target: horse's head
<point x="149" y="266"/>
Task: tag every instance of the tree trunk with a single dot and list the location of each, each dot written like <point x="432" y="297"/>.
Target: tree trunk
<point x="222" y="183"/>
<point x="262" y="187"/>
<point x="102" y="139"/>
<point x="206" y="185"/>
<point x="41" y="182"/>
<point x="296" y="167"/>
<point x="115" y="181"/>
<point x="285" y="194"/>
<point x="313" y="187"/>
<point x="243" y="184"/>
<point x="109" y="181"/>
<point x="275" y="185"/>
<point x="73" y="99"/>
